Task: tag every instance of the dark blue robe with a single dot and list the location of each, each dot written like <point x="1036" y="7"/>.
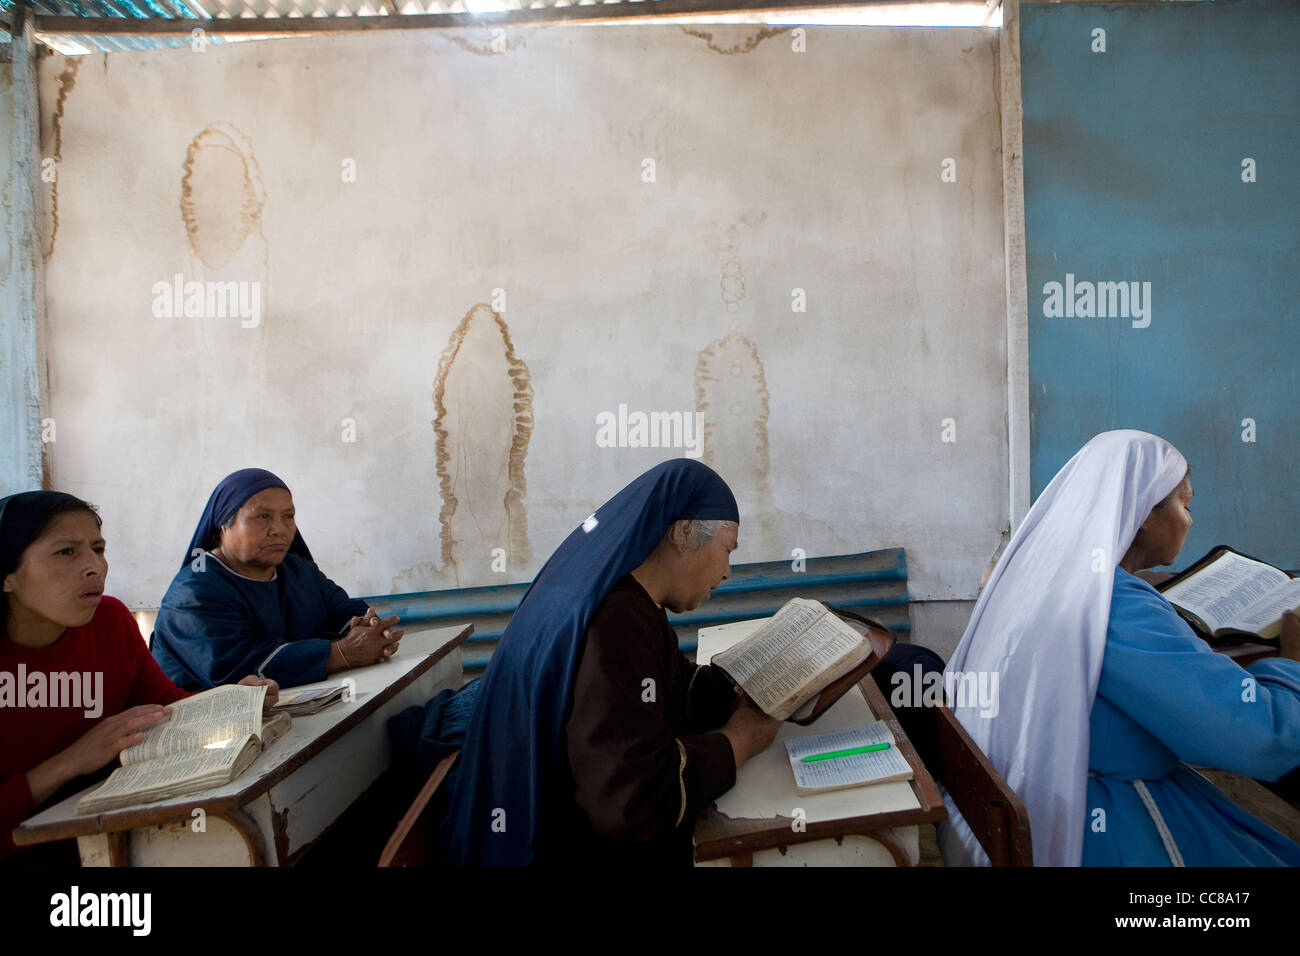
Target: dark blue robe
<point x="514" y="782"/>
<point x="215" y="626"/>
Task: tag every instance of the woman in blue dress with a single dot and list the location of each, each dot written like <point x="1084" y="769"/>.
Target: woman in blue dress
<point x="1106" y="695"/>
<point x="249" y="598"/>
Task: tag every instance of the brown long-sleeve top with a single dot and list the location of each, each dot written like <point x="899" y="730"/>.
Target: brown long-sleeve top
<point x="643" y="749"/>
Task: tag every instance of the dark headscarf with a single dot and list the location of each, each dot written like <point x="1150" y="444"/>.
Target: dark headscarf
<point x="512" y="749"/>
<point x="226" y="500"/>
<point x="22" y="516"/>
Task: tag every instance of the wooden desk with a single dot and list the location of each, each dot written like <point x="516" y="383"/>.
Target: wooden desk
<point x="755" y="824"/>
<point x="295" y="790"/>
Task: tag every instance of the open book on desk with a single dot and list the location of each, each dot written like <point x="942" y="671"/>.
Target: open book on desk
<point x="1226" y="594"/>
<point x="802" y="660"/>
<point x="209" y="740"/>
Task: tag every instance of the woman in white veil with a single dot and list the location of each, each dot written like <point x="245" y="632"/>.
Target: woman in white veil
<point x="1062" y="600"/>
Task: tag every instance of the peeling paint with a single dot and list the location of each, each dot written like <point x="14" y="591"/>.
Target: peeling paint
<point x="1003" y="540"/>
<point x="67" y="80"/>
<point x="483" y="397"/>
<point x="513" y="40"/>
<point x="744" y="45"/>
<point x="422" y="576"/>
<point x="221" y="194"/>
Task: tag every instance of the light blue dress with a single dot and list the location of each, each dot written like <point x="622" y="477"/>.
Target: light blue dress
<point x="1165" y="700"/>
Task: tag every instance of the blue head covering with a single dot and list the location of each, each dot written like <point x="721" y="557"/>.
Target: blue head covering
<point x="511" y="754"/>
<point x="226" y="500"/>
<point x="22" y="516"/>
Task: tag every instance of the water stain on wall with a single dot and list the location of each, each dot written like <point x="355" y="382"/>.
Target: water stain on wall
<point x="53" y="147"/>
<point x="739" y="40"/>
<point x="221" y="194"/>
<point x="732" y="284"/>
<point x="421" y="576"/>
<point x="731" y="394"/>
<point x="483" y="398"/>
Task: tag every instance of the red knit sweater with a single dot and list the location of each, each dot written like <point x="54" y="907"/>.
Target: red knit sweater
<point x="110" y="645"/>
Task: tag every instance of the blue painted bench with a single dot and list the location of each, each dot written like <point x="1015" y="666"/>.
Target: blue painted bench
<point x="873" y="584"/>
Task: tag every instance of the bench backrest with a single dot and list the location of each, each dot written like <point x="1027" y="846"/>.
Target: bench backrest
<point x="991" y="808"/>
<point x="412" y="840"/>
<point x="873" y="584"/>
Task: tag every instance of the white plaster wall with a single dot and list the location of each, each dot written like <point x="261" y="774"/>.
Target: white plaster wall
<point x="939" y="625"/>
<point x="522" y="170"/>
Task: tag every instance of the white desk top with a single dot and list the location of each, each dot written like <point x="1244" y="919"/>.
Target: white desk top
<point x="765" y="784"/>
<point x="418" y="646"/>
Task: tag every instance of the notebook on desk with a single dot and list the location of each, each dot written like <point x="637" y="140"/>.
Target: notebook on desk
<point x="856" y="770"/>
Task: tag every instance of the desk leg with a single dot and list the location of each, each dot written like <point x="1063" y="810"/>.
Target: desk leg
<point x="119" y="848"/>
<point x="105" y="849"/>
<point x="886" y="839"/>
<point x="243" y="825"/>
<point x="94" y="850"/>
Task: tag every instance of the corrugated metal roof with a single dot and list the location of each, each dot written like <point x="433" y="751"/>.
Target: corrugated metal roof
<point x="465" y="12"/>
<point x="144" y="9"/>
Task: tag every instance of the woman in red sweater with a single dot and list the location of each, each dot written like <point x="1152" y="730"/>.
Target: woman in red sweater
<point x="77" y="684"/>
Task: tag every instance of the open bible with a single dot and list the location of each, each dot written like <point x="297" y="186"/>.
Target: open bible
<point x="802" y="660"/>
<point x="210" y="739"/>
<point x="1226" y="594"/>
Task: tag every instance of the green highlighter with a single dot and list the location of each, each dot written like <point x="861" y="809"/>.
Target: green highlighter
<point x="873" y="748"/>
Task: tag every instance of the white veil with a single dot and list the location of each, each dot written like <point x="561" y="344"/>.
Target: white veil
<point x="1041" y="625"/>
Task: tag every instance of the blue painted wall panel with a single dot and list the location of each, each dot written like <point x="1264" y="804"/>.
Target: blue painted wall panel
<point x="1133" y="172"/>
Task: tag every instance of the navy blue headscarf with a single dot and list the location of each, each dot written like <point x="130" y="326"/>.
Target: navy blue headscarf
<point x="226" y="500"/>
<point x="22" y="516"/>
<point x="509" y="761"/>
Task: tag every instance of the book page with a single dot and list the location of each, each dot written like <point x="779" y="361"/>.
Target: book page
<point x="1266" y="611"/>
<point x="745" y="659"/>
<point x="222" y="713"/>
<point x="168" y="773"/>
<point x="791" y="673"/>
<point x="1225" y="588"/>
